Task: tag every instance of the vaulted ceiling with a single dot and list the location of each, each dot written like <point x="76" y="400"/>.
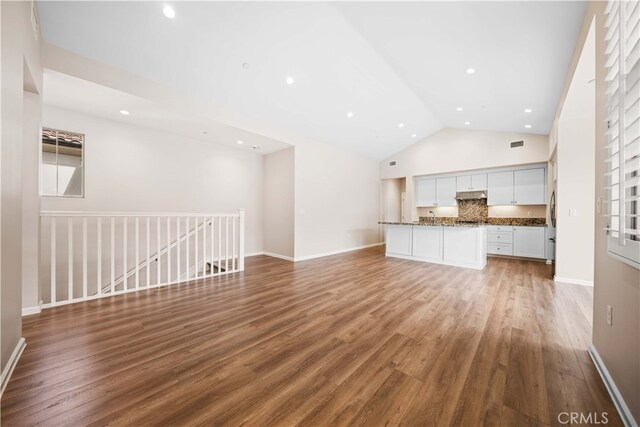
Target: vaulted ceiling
<point x="370" y="77"/>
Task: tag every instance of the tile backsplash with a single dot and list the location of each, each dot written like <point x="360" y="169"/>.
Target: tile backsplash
<point x="473" y="210"/>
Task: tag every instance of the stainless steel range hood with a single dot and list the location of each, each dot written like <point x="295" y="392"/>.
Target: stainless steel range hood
<point x="471" y="195"/>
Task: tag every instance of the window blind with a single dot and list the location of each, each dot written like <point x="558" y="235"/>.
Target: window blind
<point x="623" y="133"/>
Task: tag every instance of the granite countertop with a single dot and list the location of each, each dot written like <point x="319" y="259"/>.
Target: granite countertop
<point x="429" y="224"/>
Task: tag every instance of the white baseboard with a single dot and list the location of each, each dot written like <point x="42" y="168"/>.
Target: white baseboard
<point x="11" y="363"/>
<point x="254" y="254"/>
<point x="340" y="251"/>
<point x="284" y="257"/>
<point x="621" y="406"/>
<point x="571" y="281"/>
<point x="27" y="311"/>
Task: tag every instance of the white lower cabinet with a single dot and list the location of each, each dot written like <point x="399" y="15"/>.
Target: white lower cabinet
<point x="399" y="239"/>
<point x="427" y="242"/>
<point x="529" y="242"/>
<point x="457" y="246"/>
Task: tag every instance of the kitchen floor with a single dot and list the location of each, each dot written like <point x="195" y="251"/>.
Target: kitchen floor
<point x="354" y="339"/>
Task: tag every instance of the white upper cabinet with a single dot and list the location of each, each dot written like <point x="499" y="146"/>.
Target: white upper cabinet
<point x="446" y="191"/>
<point x="426" y="192"/>
<point x="476" y="182"/>
<point x="529" y="188"/>
<point x="500" y="188"/>
<point x="479" y="182"/>
<point x="463" y="183"/>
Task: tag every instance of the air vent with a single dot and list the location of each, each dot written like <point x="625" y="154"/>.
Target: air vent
<point x="517" y="144"/>
<point x="392" y="163"/>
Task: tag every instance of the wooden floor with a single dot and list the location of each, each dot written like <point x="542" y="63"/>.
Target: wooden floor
<point x="354" y="339"/>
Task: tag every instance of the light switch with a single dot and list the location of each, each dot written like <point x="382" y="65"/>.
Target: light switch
<point x="573" y="212"/>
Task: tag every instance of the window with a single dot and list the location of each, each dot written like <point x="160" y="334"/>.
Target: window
<point x="62" y="171"/>
<point x="623" y="140"/>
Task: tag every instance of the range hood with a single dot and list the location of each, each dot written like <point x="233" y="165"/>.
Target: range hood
<point x="471" y="195"/>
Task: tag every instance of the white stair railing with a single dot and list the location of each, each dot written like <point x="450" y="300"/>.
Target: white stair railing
<point x="183" y="246"/>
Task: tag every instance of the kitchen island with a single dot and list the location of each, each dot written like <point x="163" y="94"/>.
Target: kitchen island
<point x="459" y="244"/>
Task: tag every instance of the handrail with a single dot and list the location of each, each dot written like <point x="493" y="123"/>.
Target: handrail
<point x="133" y="214"/>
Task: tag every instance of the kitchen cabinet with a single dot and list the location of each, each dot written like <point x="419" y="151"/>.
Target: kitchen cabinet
<point x="446" y="191"/>
<point x="426" y="192"/>
<point x="519" y="187"/>
<point x="450" y="245"/>
<point x="399" y="239"/>
<point x="427" y="242"/>
<point x="477" y="182"/>
<point x="529" y="242"/>
<point x="500" y="188"/>
<point x="528" y="187"/>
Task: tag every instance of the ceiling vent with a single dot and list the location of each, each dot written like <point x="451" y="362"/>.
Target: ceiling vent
<point x="392" y="163"/>
<point x="517" y="144"/>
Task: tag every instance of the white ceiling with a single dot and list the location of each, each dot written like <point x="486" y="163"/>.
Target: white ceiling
<point x="71" y="93"/>
<point x="387" y="62"/>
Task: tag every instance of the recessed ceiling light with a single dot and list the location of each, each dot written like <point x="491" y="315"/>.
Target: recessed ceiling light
<point x="255" y="147"/>
<point x="239" y="142"/>
<point x="528" y="110"/>
<point x="471" y="70"/>
<point x="467" y="123"/>
<point x="401" y="125"/>
<point x="413" y="135"/>
<point x="169" y="12"/>
<point x="124" y="112"/>
<point x="350" y="114"/>
<point x="527" y="126"/>
<point x="459" y="109"/>
<point x="289" y="80"/>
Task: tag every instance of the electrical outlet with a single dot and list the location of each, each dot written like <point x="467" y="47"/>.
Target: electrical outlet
<point x="529" y="214"/>
<point x="609" y="315"/>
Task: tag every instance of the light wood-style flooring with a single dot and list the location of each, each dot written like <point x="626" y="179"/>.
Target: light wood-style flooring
<point x="352" y="339"/>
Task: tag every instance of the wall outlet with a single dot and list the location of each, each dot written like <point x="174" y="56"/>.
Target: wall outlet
<point x="529" y="214"/>
<point x="609" y="315"/>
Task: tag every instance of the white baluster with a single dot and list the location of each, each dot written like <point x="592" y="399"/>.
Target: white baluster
<point x="113" y="254"/>
<point x="124" y="251"/>
<point x="137" y="262"/>
<point x="53" y="261"/>
<point x="178" y="249"/>
<point x="168" y="249"/>
<point x="233" y="243"/>
<point x="148" y="224"/>
<point x="212" y="258"/>
<point x="226" y="243"/>
<point x="220" y="245"/>
<point x="158" y="266"/>
<point x="241" y="240"/>
<point x="188" y="231"/>
<point x="204" y="246"/>
<point x="70" y="258"/>
<point x="99" y="256"/>
<point x="84" y="257"/>
<point x="195" y="263"/>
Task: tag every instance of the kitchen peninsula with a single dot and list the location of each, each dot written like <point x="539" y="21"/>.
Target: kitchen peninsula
<point x="459" y="244"/>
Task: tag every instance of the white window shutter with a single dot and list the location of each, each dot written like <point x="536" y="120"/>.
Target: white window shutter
<point x="623" y="145"/>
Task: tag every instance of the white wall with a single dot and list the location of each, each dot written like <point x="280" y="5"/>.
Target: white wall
<point x="456" y="150"/>
<point x="576" y="173"/>
<point x="337" y="200"/>
<point x="20" y="52"/>
<point x="32" y="119"/>
<point x="133" y="169"/>
<point x="279" y="206"/>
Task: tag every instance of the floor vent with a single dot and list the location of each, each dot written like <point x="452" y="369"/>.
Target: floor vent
<point x="517" y="144"/>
